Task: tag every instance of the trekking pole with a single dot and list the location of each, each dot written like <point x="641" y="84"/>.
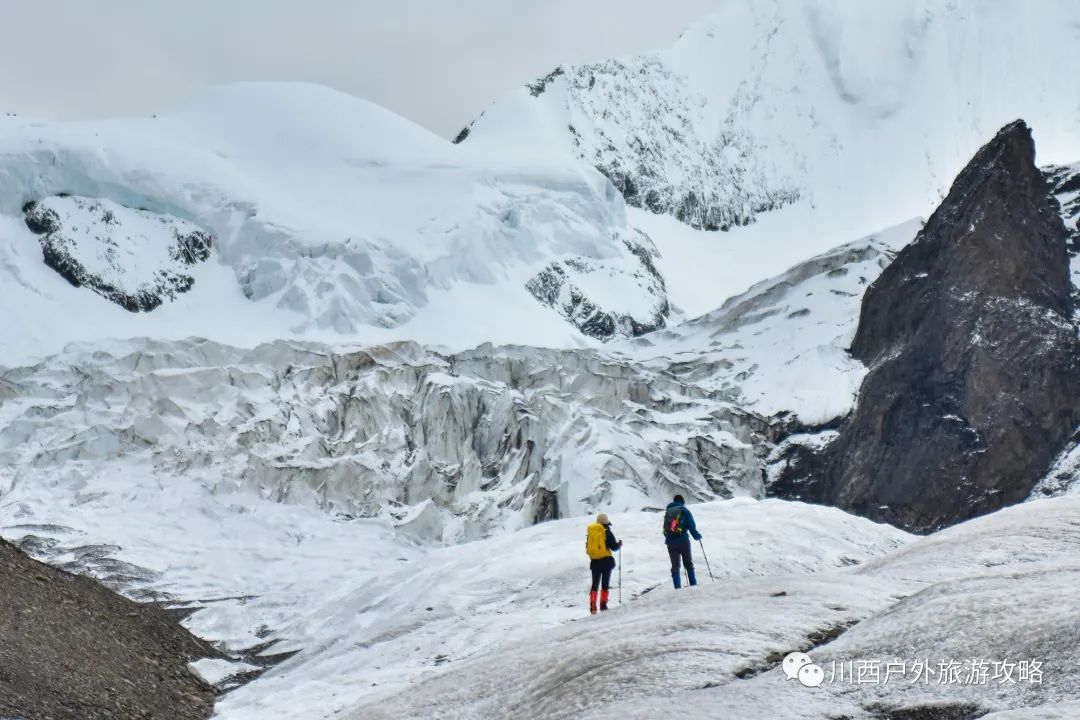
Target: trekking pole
<point x="706" y="560"/>
<point x="622" y="557"/>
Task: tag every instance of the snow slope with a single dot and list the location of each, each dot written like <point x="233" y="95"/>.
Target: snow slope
<point x="463" y="445"/>
<point x="781" y="347"/>
<point x="949" y="598"/>
<point x="459" y="446"/>
<point x="334" y="219"/>
<point x="330" y="217"/>
<point x="858" y="115"/>
<point x="497" y="627"/>
<point x="367" y="608"/>
<point x="230" y="480"/>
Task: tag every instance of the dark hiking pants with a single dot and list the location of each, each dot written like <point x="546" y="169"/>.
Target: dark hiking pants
<point x="601" y="572"/>
<point x="681" y="552"/>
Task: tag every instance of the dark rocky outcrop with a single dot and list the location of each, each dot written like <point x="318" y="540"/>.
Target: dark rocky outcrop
<point x="536" y="89"/>
<point x="648" y="141"/>
<point x="700" y="211"/>
<point x="974" y="363"/>
<point x="104" y="242"/>
<point x="942" y="710"/>
<point x="1064" y="183"/>
<point x="70" y="649"/>
<point x="555" y="287"/>
<point x="462" y="135"/>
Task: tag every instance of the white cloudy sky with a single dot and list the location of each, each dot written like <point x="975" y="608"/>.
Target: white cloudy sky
<point x="438" y="62"/>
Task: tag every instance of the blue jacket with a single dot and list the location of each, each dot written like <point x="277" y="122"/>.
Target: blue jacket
<point x="688" y="524"/>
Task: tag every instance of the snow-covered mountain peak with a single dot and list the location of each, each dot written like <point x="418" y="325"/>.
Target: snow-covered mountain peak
<point x="275" y="118"/>
<point x="864" y="111"/>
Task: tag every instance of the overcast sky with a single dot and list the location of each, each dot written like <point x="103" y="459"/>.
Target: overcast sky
<point x="438" y="62"/>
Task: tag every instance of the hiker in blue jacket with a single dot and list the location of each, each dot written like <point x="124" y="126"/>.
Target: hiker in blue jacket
<point x="679" y="527"/>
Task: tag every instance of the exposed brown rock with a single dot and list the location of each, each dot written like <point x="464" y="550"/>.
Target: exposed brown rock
<point x="70" y="649"/>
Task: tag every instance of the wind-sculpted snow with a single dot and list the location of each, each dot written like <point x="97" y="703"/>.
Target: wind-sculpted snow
<point x="452" y="447"/>
<point x="330" y="217"/>
<point x="862" y="112"/>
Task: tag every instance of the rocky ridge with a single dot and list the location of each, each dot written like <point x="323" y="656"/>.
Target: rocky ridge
<point x="974" y="363"/>
<point x="636" y="121"/>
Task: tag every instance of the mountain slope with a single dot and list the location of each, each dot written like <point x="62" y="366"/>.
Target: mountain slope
<point x="827" y="104"/>
<point x="460" y="445"/>
<point x="73" y="650"/>
<point x="781" y="348"/>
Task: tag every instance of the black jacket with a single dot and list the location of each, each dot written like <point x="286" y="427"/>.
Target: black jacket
<point x="613" y="545"/>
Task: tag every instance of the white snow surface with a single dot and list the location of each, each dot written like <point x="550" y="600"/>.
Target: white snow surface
<point x="335" y="220"/>
<point x="498" y="628"/>
<point x="366" y="502"/>
<point x="217" y="671"/>
<point x="371" y="611"/>
<point x="996" y="589"/>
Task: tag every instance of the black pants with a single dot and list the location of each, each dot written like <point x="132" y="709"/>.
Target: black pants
<point x="680" y="551"/>
<point x="601" y="572"/>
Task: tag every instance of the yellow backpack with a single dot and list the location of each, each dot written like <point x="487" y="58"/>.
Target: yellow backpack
<point x="596" y="542"/>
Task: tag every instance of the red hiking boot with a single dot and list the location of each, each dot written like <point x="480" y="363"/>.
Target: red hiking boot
<point x="592" y="602"/>
<point x="603" y="599"/>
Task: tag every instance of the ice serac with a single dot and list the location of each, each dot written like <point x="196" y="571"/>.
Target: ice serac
<point x="448" y="447"/>
<point x="974" y="363"/>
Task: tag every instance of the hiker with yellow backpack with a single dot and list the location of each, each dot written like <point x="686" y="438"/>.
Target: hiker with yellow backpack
<point x="600" y="544"/>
